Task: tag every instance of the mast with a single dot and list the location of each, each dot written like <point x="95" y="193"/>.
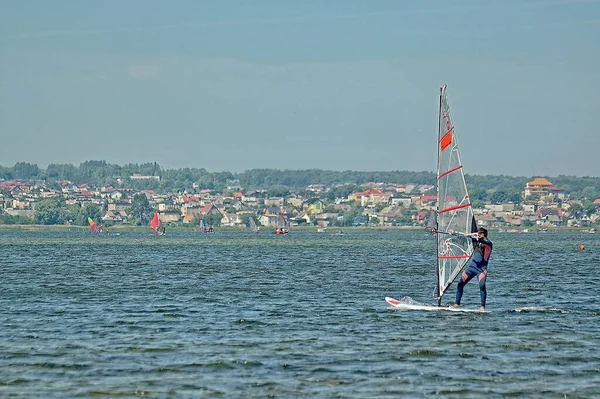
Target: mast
<point x="437" y="236"/>
<point x="455" y="219"/>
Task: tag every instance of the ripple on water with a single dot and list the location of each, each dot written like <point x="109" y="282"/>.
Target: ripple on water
<point x="233" y="315"/>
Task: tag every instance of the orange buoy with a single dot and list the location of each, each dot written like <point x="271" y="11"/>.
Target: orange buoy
<point x="581" y="247"/>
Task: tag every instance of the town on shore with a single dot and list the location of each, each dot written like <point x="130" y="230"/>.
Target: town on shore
<point x="539" y="203"/>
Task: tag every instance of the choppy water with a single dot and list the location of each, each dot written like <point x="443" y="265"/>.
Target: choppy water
<point x="235" y="315"/>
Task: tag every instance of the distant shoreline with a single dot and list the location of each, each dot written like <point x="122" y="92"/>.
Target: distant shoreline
<point x="121" y="228"/>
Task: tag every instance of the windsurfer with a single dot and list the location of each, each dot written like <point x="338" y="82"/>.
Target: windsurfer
<point x="478" y="267"/>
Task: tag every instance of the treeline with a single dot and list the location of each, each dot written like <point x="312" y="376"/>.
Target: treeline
<point x="101" y="173"/>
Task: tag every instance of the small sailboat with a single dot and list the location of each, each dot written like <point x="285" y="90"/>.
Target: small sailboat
<point x="281" y="224"/>
<point x="93" y="226"/>
<point x="204" y="227"/>
<point x="253" y="227"/>
<point x="155" y="225"/>
<point x="453" y="224"/>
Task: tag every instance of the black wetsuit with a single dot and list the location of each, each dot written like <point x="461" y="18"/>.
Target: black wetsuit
<point x="477" y="267"/>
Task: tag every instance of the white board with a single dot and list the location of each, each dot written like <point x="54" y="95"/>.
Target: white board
<point x="417" y="306"/>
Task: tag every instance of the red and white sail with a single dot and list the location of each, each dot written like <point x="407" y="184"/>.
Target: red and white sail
<point x="455" y="220"/>
<point x="155" y="223"/>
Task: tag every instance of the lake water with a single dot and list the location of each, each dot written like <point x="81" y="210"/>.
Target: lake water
<point x="239" y="315"/>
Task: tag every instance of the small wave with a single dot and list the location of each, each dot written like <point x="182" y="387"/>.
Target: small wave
<point x="247" y="363"/>
<point x="534" y="309"/>
<point x="173" y="315"/>
<point x="157" y="350"/>
<point x="16" y="381"/>
<point x="539" y="309"/>
<point x="423" y="353"/>
<point x="220" y="365"/>
<point x="168" y="370"/>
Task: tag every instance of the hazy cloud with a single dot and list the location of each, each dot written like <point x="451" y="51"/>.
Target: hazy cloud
<point x="143" y="71"/>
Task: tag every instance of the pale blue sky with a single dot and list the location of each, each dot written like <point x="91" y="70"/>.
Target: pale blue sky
<point x="227" y="85"/>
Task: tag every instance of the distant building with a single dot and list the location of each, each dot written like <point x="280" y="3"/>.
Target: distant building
<point x="543" y="188"/>
<point x="137" y="176"/>
<point x="373" y="196"/>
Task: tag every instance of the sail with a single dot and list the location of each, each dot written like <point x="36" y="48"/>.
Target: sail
<point x="154" y="224"/>
<point x="281" y="223"/>
<point x="203" y="226"/>
<point x="455" y="220"/>
<point x="93" y="226"/>
<point x="252" y="224"/>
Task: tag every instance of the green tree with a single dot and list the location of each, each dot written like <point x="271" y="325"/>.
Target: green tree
<point x="141" y="209"/>
<point x="575" y="210"/>
<point x="353" y="212"/>
<point x="246" y="219"/>
<point x="92" y="211"/>
<point x="24" y="170"/>
<point x="214" y="219"/>
<point x="404" y="220"/>
<point x="478" y="204"/>
<point x="14" y="219"/>
<point x="277" y="191"/>
<point x="48" y="211"/>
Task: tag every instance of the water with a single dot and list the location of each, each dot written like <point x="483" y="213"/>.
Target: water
<point x="237" y="315"/>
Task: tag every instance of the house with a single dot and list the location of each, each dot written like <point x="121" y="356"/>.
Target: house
<point x="231" y="219"/>
<point x="137" y="176"/>
<point x="272" y="215"/>
<point x="250" y="198"/>
<point x="402" y="200"/>
<point x="115" y="216"/>
<point x="190" y="211"/>
<point x="274" y="201"/>
<point x="528" y="209"/>
<point x="391" y="211"/>
<point x="313" y="206"/>
<point x="119" y="206"/>
<point x="372" y="196"/>
<point x="487" y="220"/>
<point x="505" y="207"/>
<point x="169" y="216"/>
<point x="303" y="218"/>
<point x="116" y="195"/>
<point x="544" y="212"/>
<point x="316" y="188"/>
<point x="513" y="221"/>
<point x="420" y="217"/>
<point x="296" y="202"/>
<point x="550" y="215"/>
<point x="360" y="221"/>
<point x="427" y="200"/>
<point x="388" y="214"/>
<point x="189" y="199"/>
<point x="209" y="209"/>
<point x="237" y="205"/>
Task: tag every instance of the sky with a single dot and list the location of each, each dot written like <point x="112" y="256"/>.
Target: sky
<point x="337" y="85"/>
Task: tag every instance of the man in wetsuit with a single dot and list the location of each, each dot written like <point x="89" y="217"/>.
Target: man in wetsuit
<point x="477" y="267"/>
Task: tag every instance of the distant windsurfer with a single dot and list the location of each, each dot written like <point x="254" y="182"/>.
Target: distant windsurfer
<point x="478" y="267"/>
